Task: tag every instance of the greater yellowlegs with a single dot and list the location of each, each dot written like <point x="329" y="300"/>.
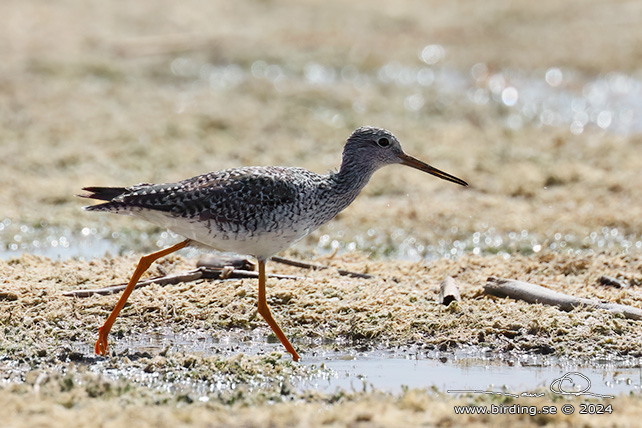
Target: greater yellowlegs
<point x="257" y="211"/>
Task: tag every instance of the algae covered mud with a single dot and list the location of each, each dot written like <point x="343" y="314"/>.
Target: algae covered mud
<point x="200" y="345"/>
<point x="536" y="106"/>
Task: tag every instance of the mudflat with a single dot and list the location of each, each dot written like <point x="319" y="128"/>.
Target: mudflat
<point x="532" y="104"/>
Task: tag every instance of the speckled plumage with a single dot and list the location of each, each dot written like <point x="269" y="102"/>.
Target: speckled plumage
<point x="256" y="210"/>
<point x="253" y="210"/>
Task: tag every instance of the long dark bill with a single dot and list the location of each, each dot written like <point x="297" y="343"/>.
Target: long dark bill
<point x="421" y="166"/>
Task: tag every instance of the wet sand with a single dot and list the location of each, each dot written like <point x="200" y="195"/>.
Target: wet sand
<point x="49" y="366"/>
<point x="154" y="92"/>
<point x="399" y="305"/>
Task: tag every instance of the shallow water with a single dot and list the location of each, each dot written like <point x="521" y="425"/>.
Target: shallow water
<point x="335" y="367"/>
<point x="544" y="97"/>
<point x="461" y="375"/>
<point x="87" y="243"/>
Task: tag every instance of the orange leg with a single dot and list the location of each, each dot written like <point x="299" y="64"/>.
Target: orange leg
<point x="102" y="346"/>
<point x="264" y="310"/>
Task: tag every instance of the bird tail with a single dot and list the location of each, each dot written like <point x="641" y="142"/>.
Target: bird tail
<point x="103" y="193"/>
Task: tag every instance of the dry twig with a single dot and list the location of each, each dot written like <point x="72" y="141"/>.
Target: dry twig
<point x="532" y="293"/>
<point x="215" y="266"/>
<point x="318" y="267"/>
<point x="219" y="261"/>
<point x="192" y="275"/>
<point x="448" y="291"/>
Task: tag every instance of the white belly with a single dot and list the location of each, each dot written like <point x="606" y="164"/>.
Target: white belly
<point x="260" y="244"/>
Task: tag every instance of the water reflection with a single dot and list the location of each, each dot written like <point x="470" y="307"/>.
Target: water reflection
<point x="383" y="368"/>
<point x="552" y="97"/>
<point x="397" y="243"/>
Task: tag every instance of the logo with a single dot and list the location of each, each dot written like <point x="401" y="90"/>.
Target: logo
<point x="571" y="383"/>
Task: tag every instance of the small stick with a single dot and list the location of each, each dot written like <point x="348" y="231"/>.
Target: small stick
<point x="161" y="270"/>
<point x="240" y="273"/>
<point x="532" y="293"/>
<point x="448" y="291"/>
<point x="219" y="261"/>
<point x="192" y="275"/>
<point x="304" y="265"/>
<point x="213" y="267"/>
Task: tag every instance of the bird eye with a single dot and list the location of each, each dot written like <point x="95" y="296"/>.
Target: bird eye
<point x="383" y="142"/>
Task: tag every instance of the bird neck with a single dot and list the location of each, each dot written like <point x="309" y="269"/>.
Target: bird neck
<point x="351" y="178"/>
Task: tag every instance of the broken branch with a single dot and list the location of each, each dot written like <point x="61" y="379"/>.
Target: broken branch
<point x="192" y="275"/>
<point x="448" y="291"/>
<point x="318" y="267"/>
<point x="215" y="266"/>
<point x="532" y="293"/>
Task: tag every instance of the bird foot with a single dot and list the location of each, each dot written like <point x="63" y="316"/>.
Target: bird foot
<point x="102" y="344"/>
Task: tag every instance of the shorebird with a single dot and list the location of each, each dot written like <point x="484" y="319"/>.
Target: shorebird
<point x="257" y="211"/>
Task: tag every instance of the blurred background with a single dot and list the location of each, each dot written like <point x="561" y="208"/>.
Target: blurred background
<point x="538" y="105"/>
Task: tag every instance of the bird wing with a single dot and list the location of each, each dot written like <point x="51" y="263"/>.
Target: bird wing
<point x="224" y="196"/>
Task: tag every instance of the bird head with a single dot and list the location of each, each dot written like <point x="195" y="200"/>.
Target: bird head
<point x="377" y="147"/>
